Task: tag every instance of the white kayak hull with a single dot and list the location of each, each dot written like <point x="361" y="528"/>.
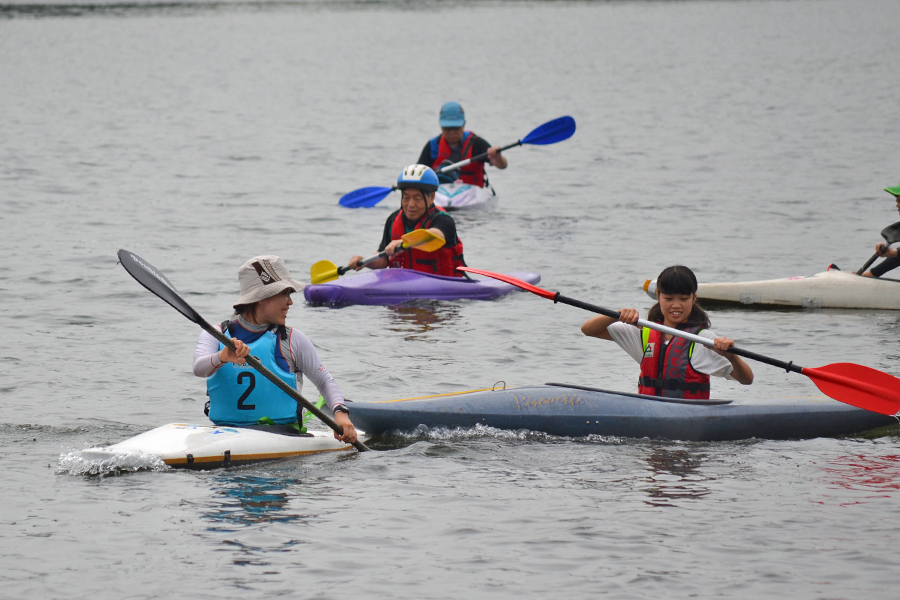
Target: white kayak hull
<point x="181" y="445"/>
<point x="831" y="289"/>
<point x="452" y="196"/>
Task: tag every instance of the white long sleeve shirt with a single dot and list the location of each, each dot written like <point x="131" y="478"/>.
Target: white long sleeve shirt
<point x="703" y="360"/>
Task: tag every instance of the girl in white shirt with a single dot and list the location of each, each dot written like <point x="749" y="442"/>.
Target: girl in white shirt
<point x="680" y="369"/>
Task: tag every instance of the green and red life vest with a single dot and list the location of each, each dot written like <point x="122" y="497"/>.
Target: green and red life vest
<point x="666" y="369"/>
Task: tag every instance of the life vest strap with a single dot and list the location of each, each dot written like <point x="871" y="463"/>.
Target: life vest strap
<point x="673" y="384"/>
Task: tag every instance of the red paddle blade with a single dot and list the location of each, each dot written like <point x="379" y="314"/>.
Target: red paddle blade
<point x="513" y="281"/>
<point x="859" y="386"/>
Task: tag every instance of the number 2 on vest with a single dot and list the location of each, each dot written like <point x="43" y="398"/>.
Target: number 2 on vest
<point x="250" y="388"/>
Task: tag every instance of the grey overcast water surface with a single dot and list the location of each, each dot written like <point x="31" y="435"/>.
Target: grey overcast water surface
<point x="748" y="140"/>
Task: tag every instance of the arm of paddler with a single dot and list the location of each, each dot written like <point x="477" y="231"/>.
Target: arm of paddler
<point x="381" y="263"/>
<point x="740" y="370"/>
<point x="306" y="360"/>
<point x="888" y="264"/>
<point x="343" y="419"/>
<point x="598" y="326"/>
<point x="496" y="158"/>
<point x="208" y="358"/>
<point x="396" y="245"/>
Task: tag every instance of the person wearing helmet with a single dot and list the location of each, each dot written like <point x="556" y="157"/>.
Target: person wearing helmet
<point x="417" y="184"/>
<point x="454" y="144"/>
<point x="891" y="261"/>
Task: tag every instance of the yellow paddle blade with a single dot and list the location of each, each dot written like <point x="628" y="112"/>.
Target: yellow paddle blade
<point x="423" y="240"/>
<point x="323" y="271"/>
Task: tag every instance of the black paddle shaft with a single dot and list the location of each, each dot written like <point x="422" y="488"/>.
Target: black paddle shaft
<point x="787" y="366"/>
<point x="483" y="155"/>
<point x="891" y="235"/>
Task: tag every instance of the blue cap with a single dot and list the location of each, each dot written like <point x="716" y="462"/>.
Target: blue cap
<point x="452" y="115"/>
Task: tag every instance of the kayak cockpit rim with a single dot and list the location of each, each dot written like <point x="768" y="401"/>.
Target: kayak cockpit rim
<point x="711" y="402"/>
<point x="701" y="402"/>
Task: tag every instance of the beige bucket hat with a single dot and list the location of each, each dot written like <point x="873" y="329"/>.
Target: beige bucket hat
<point x="262" y="277"/>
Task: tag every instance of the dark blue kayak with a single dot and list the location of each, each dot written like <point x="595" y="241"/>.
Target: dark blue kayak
<point x="570" y="410"/>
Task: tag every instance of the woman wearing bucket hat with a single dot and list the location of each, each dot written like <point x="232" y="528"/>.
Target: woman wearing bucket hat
<point x="892" y="261"/>
<point x="239" y="396"/>
<point x="418" y="184"/>
<point x="454" y="144"/>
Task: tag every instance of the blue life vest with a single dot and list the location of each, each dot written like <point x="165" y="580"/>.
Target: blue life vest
<point x="239" y="395"/>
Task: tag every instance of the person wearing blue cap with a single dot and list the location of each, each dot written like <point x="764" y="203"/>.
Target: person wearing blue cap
<point x="892" y="260"/>
<point x="455" y="145"/>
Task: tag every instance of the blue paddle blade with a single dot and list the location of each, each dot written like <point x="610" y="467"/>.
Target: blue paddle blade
<point x="551" y="132"/>
<point x="366" y="197"/>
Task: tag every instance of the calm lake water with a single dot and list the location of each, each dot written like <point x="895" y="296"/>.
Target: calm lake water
<point x="748" y="140"/>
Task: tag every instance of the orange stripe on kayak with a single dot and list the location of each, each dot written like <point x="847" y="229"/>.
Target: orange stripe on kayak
<point x="435" y="396"/>
<point x="242" y="457"/>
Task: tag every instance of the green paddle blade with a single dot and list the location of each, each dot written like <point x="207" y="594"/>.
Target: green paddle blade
<point x="323" y="271"/>
<point x="423" y="240"/>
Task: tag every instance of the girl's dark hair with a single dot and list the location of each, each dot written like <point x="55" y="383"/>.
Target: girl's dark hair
<point x="678" y="279"/>
<point x="246" y="310"/>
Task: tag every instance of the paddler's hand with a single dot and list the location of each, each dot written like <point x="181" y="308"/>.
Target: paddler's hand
<point x="497" y="159"/>
<point x="629" y="315"/>
<point x="722" y="344"/>
<point x="343" y="419"/>
<point x="236" y="357"/>
<point x="354" y="263"/>
<point x="882" y="250"/>
<point x="393" y="247"/>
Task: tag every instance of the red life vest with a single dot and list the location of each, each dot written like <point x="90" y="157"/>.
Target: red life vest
<point x="472" y="173"/>
<point x="442" y="261"/>
<point x="666" y="370"/>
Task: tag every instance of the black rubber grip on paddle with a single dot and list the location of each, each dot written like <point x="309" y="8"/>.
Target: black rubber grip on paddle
<point x="868" y="264"/>
<point x="586" y="306"/>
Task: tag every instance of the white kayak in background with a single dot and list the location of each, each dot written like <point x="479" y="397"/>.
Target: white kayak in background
<point x="181" y="445"/>
<point x="452" y="196"/>
<point x="831" y="289"/>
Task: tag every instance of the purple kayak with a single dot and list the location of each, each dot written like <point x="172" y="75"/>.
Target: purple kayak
<point x="394" y="286"/>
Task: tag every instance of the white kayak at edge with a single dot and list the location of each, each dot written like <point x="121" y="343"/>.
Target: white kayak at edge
<point x="207" y="445"/>
<point x="829" y="289"/>
<point x="463" y="195"/>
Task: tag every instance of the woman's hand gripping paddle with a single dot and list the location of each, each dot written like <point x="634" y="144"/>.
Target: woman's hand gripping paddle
<point x="891" y="235"/>
<point x="149" y="277"/>
<point x="850" y="383"/>
<point x="325" y="270"/>
<point x="550" y="132"/>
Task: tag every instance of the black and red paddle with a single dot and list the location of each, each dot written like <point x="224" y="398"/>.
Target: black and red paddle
<point x="850" y="383"/>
